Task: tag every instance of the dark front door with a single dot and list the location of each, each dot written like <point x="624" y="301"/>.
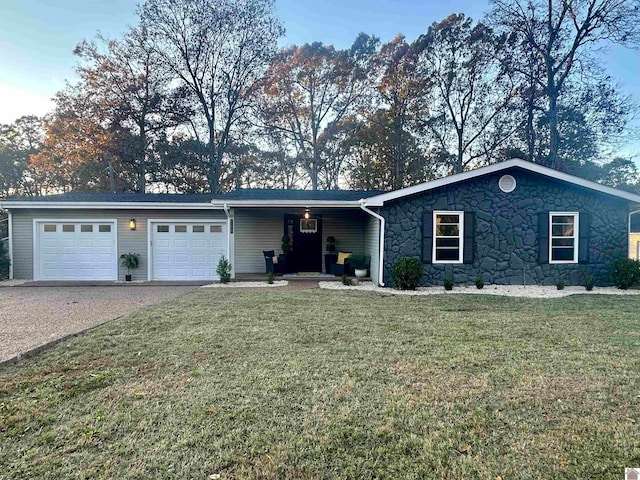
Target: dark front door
<point x="306" y="243"/>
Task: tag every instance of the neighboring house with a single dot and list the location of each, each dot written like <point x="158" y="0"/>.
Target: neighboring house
<point x="511" y="223"/>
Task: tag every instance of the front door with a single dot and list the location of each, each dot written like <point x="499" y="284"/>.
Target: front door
<point x="306" y="243"/>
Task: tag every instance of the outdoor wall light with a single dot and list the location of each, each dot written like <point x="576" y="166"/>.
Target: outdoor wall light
<point x="306" y="214"/>
<point x="132" y="224"/>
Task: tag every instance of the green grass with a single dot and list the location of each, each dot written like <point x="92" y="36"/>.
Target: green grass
<point x="327" y="384"/>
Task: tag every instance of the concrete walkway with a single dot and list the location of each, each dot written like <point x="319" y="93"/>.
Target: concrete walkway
<point x="33" y="317"/>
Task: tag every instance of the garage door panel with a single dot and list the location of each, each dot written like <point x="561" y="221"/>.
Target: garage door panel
<point x="187" y="251"/>
<point x="68" y="250"/>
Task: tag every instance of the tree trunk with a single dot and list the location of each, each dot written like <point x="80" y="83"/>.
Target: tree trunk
<point x="554" y="136"/>
<point x="214" y="166"/>
<point x="459" y="168"/>
<point x="530" y="131"/>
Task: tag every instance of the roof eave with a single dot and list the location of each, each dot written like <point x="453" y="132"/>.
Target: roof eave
<point x="379" y="200"/>
<point x="286" y="203"/>
<point x="10" y="204"/>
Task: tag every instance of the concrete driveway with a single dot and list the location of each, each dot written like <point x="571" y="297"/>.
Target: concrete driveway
<point x="34" y="316"/>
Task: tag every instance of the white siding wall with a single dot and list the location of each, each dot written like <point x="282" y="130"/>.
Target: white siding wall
<point x="371" y="245"/>
<point x="134" y="241"/>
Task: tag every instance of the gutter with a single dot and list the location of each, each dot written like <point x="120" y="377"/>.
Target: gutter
<point x="35" y="205"/>
<point x="363" y="207"/>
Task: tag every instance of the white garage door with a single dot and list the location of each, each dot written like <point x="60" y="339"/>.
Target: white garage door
<point x="187" y="251"/>
<point x="76" y="251"/>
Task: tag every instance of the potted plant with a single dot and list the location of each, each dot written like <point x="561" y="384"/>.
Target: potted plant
<point x="360" y="264"/>
<point x="283" y="258"/>
<point x="330" y="257"/>
<point x="131" y="261"/>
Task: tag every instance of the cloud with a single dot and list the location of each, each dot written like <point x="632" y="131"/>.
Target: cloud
<point x="17" y="102"/>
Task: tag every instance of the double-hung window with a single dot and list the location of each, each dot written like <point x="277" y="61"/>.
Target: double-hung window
<point x="563" y="237"/>
<point x="448" y="236"/>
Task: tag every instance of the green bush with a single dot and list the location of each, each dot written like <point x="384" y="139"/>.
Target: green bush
<point x="479" y="283"/>
<point x="626" y="273"/>
<point x="589" y="282"/>
<point x="406" y="273"/>
<point x="560" y="284"/>
<point x="448" y="283"/>
<point x="359" y="261"/>
<point x="224" y="270"/>
<point x="4" y="262"/>
<point x="270" y="277"/>
<point x="345" y="279"/>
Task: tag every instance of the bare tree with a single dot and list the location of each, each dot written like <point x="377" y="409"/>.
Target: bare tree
<point x="216" y="49"/>
<point x="469" y="93"/>
<point x="559" y="37"/>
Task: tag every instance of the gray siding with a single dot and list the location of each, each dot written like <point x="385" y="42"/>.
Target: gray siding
<point x="262" y="229"/>
<point x="371" y="245"/>
<point x="256" y="230"/>
<point x="128" y="240"/>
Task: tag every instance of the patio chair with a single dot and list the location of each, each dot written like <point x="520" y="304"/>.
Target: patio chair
<point x="275" y="264"/>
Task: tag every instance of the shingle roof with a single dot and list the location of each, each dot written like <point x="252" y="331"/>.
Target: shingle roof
<point x="242" y="194"/>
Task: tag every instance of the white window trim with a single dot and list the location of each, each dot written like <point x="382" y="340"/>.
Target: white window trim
<point x="575" y="236"/>
<point x="460" y="235"/>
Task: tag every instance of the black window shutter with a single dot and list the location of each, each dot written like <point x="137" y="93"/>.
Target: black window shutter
<point x="427" y="236"/>
<point x="584" y="237"/>
<point x="543" y="237"/>
<point x="469" y="235"/>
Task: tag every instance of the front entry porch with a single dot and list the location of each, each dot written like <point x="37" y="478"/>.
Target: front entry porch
<point x="303" y="233"/>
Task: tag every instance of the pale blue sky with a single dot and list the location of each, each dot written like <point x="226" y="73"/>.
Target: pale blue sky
<point x="37" y="38"/>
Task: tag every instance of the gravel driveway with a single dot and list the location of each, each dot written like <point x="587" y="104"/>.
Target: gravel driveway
<point x="33" y="316"/>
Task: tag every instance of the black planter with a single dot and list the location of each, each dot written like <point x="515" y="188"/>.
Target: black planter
<point x="127" y="278"/>
<point x="329" y="259"/>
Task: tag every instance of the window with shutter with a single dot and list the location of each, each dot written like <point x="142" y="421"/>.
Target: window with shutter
<point x="563" y="237"/>
<point x="448" y="237"/>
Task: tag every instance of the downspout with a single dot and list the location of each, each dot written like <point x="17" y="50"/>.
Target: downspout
<point x="229" y="226"/>
<point x="363" y="206"/>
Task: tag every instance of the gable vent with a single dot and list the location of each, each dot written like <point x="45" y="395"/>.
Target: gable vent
<point x="507" y="183"/>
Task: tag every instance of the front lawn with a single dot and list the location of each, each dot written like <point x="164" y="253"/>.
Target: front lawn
<point x="329" y="384"/>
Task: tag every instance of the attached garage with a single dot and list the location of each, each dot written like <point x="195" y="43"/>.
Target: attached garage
<point x="186" y="250"/>
<point x="75" y="250"/>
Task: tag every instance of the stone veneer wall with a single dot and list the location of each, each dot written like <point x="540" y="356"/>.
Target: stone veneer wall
<point x="506" y="233"/>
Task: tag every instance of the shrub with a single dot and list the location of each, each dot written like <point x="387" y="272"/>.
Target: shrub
<point x="479" y="283"/>
<point x="626" y="273"/>
<point x="406" y="273"/>
<point x="270" y="277"/>
<point x="345" y="279"/>
<point x="448" y="283"/>
<point x="224" y="270"/>
<point x="130" y="261"/>
<point x="560" y="284"/>
<point x="359" y="261"/>
<point x="589" y="282"/>
<point x="4" y="262"/>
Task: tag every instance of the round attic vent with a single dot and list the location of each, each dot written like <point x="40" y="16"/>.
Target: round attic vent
<point x="507" y="183"/>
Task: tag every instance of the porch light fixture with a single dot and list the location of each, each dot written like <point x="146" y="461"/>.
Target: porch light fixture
<point x="132" y="224"/>
<point x="306" y="214"/>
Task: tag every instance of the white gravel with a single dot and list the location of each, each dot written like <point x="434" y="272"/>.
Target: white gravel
<point x="277" y="283"/>
<point x="529" y="291"/>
